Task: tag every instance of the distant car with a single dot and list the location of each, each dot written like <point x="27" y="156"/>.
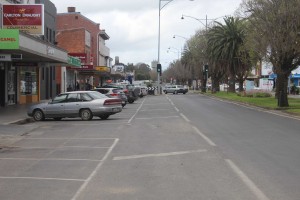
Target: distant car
<point x="143" y="91"/>
<point x="113" y="92"/>
<point x="84" y="104"/>
<point x="175" y="89"/>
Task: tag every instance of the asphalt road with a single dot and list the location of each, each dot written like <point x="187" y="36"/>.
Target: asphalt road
<point x="171" y="147"/>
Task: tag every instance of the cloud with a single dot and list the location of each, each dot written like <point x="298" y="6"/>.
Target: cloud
<point x="133" y="24"/>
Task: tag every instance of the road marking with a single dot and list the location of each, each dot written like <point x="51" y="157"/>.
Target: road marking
<point x="41" y="178"/>
<point x="74" y="138"/>
<point x="209" y="141"/>
<point x="53" y="159"/>
<point x="158" y="155"/>
<point x="86" y="182"/>
<point x="249" y="183"/>
<point x="143" y="118"/>
<point x="147" y="110"/>
<point x="176" y="109"/>
<point x="129" y="121"/>
<point x="184" y="117"/>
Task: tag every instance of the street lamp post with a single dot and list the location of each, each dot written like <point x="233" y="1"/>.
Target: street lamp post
<point x="160" y="7"/>
<point x="199" y="20"/>
<point x="174" y="36"/>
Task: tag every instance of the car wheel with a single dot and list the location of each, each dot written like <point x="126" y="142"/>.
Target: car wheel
<point x="123" y="105"/>
<point x="57" y="118"/>
<point x="130" y="101"/>
<point x="184" y="93"/>
<point x="86" y="114"/>
<point x="166" y="92"/>
<point x="104" y="116"/>
<point x="38" y="115"/>
<point x="175" y="92"/>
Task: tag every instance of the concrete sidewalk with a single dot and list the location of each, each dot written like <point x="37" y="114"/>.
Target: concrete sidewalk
<point x="11" y="120"/>
<point x="13" y="114"/>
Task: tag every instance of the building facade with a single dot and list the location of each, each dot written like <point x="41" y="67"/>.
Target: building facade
<point x="84" y="39"/>
<point x="28" y="61"/>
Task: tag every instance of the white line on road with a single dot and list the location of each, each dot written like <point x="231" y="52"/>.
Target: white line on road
<point x="53" y="159"/>
<point x="86" y="182"/>
<point x="249" y="183"/>
<point x="184" y="117"/>
<point x="166" y="117"/>
<point x="147" y="110"/>
<point x="41" y="178"/>
<point x="129" y="121"/>
<point x="158" y="155"/>
<point x="176" y="109"/>
<point x="204" y="136"/>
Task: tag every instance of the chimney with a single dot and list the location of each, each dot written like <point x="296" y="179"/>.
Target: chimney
<point x="71" y="9"/>
<point x="117" y="60"/>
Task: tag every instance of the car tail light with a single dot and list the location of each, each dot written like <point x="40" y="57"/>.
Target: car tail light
<point x="114" y="94"/>
<point x="125" y="91"/>
<point x="113" y="102"/>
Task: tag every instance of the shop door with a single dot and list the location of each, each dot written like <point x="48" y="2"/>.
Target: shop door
<point x="11" y="88"/>
<point x="2" y="87"/>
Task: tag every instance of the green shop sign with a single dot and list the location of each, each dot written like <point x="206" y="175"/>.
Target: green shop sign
<point x="9" y="39"/>
<point x="75" y="62"/>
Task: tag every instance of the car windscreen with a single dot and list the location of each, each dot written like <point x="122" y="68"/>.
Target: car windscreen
<point x="97" y="95"/>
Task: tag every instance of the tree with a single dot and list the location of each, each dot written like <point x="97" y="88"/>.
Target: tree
<point x="276" y="24"/>
<point x="224" y="45"/>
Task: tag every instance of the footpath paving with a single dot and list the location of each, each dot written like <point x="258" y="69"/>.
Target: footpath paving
<point x="14" y="124"/>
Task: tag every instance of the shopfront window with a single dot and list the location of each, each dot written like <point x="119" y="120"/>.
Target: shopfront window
<point x="28" y="81"/>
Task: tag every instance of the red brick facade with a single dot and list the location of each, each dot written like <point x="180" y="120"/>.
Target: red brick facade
<point x="72" y="39"/>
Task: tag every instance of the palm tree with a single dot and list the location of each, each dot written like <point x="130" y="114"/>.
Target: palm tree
<point x="224" y="45"/>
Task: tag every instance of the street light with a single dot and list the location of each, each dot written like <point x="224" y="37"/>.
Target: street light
<point x="160" y="7"/>
<point x="174" y="36"/>
<point x="199" y="20"/>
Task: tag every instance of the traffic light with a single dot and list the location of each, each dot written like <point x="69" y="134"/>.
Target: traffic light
<point x="158" y="68"/>
<point x="206" y="68"/>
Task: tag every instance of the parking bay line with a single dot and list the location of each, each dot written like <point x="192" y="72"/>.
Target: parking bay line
<point x="93" y="174"/>
<point x="147" y="118"/>
<point x="158" y="155"/>
<point x="249" y="183"/>
<point x="204" y="136"/>
<point x="41" y="178"/>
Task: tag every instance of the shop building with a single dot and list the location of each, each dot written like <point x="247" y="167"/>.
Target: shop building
<point x="28" y="60"/>
<point x="84" y="39"/>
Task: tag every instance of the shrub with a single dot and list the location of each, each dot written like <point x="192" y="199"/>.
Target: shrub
<point x="255" y="94"/>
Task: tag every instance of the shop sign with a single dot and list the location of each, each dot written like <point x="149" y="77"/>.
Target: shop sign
<point x="86" y="67"/>
<point x="81" y="56"/>
<point x="5" y="57"/>
<point x="75" y="62"/>
<point x="102" y="69"/>
<point x="9" y="39"/>
<point x="25" y="17"/>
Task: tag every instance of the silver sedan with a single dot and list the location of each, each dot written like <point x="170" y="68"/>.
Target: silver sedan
<point x="84" y="104"/>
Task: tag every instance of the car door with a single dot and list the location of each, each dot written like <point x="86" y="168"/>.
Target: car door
<point x="56" y="107"/>
<point x="72" y="105"/>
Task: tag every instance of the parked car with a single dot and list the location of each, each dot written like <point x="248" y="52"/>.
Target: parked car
<point x="130" y="91"/>
<point x="84" y="104"/>
<point x="175" y="89"/>
<point x="113" y="92"/>
<point x="144" y="91"/>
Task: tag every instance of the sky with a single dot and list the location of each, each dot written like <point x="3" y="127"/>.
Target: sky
<point x="132" y="25"/>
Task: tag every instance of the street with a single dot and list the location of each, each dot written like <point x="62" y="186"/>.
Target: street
<point x="173" y="147"/>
